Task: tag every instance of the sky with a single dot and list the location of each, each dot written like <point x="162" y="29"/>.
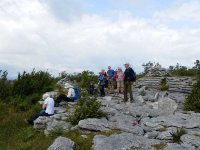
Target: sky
<point x="77" y="35"/>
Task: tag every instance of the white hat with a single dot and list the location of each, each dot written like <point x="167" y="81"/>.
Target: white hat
<point x="126" y="63"/>
<point x="67" y="85"/>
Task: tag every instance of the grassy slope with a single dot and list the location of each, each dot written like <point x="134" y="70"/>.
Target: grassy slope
<point x="16" y="134"/>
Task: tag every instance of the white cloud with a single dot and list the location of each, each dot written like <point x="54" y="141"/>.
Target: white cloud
<point x="31" y="36"/>
<point x="187" y="11"/>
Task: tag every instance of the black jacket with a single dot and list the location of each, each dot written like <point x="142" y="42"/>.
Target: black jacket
<point x="129" y="75"/>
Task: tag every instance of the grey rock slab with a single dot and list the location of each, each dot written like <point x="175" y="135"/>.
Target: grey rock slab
<point x="191" y="140"/>
<point x="166" y="106"/>
<point x="59" y="110"/>
<point x="62" y="143"/>
<point x="151" y="135"/>
<point x="95" y="124"/>
<point x="60" y="124"/>
<point x="174" y="146"/>
<point x="166" y="135"/>
<point x="124" y="141"/>
<point x="41" y="122"/>
<point x="125" y="123"/>
<point x="139" y="99"/>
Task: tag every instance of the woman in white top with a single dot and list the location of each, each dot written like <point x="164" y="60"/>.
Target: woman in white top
<point x="47" y="108"/>
<point x="68" y="97"/>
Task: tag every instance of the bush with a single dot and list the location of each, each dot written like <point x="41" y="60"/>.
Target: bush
<point x="5" y="85"/>
<point x="87" y="107"/>
<point x="176" y="136"/>
<point x="34" y="82"/>
<point x="192" y="102"/>
<point x="163" y="85"/>
<point x="83" y="79"/>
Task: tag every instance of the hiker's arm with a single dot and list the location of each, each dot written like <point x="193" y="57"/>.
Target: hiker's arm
<point x="44" y="106"/>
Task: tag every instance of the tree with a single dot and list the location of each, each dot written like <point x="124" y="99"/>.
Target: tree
<point x="147" y="66"/>
<point x="197" y="64"/>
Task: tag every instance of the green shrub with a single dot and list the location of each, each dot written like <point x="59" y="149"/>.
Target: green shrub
<point x="5" y="85"/>
<point x="176" y="136"/>
<point x="87" y="107"/>
<point x="34" y="82"/>
<point x="57" y="130"/>
<point x="163" y="85"/>
<point x="192" y="102"/>
<point x="83" y="79"/>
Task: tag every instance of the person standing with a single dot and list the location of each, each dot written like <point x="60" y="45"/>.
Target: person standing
<point x="102" y="80"/>
<point x="129" y="78"/>
<point x="110" y="73"/>
<point x="120" y="80"/>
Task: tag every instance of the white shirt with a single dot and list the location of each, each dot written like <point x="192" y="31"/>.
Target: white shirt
<point x="49" y="102"/>
<point x="71" y="93"/>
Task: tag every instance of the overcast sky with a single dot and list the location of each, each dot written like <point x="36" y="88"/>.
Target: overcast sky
<point x="77" y="35"/>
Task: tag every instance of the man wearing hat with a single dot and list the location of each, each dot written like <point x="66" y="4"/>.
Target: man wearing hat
<point x="129" y="77"/>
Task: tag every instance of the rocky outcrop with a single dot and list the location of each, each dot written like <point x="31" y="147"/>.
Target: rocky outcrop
<point x="62" y="143"/>
<point x="176" y="84"/>
<point x="126" y="141"/>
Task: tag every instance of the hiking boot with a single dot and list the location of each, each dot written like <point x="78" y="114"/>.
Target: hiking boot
<point x="131" y="101"/>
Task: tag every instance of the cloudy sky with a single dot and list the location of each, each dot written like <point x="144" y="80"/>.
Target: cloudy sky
<point x="77" y="35"/>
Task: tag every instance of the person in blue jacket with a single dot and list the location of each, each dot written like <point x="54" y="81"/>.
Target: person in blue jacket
<point x="102" y="79"/>
<point x="110" y="73"/>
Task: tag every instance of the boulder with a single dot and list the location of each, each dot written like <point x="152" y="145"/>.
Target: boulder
<point x="174" y="146"/>
<point x="60" y="124"/>
<point x="41" y="122"/>
<point x="139" y="99"/>
<point x="166" y="106"/>
<point x="123" y="141"/>
<point x="62" y="143"/>
<point x="95" y="124"/>
<point x="193" y="140"/>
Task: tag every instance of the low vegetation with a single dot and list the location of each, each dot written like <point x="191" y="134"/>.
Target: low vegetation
<point x="192" y="102"/>
<point x="87" y="107"/>
<point x="160" y="146"/>
<point x="176" y="136"/>
<point x="163" y="85"/>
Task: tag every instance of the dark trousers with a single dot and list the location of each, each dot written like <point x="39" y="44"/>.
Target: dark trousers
<point x="63" y="97"/>
<point x="128" y="89"/>
<point x="102" y="92"/>
<point x="41" y="113"/>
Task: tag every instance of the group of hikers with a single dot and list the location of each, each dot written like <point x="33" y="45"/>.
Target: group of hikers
<point x="121" y="80"/>
<point x="109" y="79"/>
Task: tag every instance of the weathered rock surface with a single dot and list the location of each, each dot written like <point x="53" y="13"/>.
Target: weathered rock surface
<point x="124" y="141"/>
<point x="174" y="146"/>
<point x="166" y="106"/>
<point x="62" y="143"/>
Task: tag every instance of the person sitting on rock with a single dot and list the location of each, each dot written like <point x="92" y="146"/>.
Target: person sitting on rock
<point x="91" y="88"/>
<point x="47" y="108"/>
<point x="70" y="96"/>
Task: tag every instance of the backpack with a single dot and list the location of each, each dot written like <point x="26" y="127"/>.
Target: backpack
<point x="76" y="93"/>
<point x="132" y="74"/>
